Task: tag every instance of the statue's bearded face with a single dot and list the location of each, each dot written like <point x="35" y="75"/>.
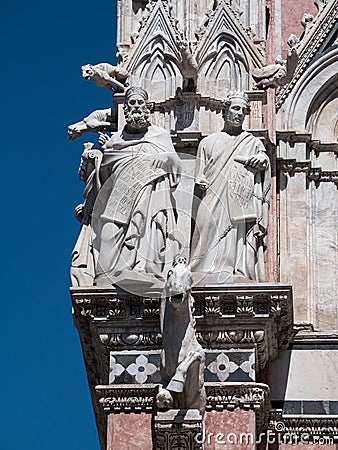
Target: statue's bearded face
<point x="136" y="111"/>
<point x="235" y="113"/>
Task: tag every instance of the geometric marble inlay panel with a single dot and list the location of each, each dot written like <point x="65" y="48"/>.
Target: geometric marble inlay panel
<point x="237" y="365"/>
<point x="143" y="367"/>
<point x="134" y="367"/>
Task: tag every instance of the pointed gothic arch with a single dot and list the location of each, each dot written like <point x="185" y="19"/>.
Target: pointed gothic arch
<point x="224" y="67"/>
<point x="315" y="83"/>
<point x="322" y="119"/>
<point x="158" y="70"/>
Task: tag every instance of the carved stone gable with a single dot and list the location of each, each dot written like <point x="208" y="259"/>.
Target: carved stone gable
<point x="226" y="54"/>
<point x="155" y="57"/>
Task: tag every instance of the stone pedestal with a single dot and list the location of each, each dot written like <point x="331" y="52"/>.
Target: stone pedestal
<point x="241" y="327"/>
<point x="129" y="432"/>
<point x="178" y="429"/>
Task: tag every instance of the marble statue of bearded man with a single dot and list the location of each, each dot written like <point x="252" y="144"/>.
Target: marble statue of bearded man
<point x="233" y="181"/>
<point x="134" y="217"/>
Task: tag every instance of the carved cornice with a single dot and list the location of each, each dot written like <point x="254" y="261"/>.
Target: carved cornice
<point x="229" y="396"/>
<point x="307" y="336"/>
<point x="309" y="429"/>
<point x="127" y="398"/>
<point x="220" y="396"/>
<point x="107" y="304"/>
<point x="260" y="315"/>
<point x="310" y="44"/>
<point x="116" y="341"/>
<point x="306" y="137"/>
<point x="294" y="136"/>
<point x="211" y="103"/>
<point x="293" y="166"/>
<point x="316" y="174"/>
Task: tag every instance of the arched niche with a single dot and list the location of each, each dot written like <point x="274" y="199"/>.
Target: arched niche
<point x="223" y="68"/>
<point x="301" y="103"/>
<point x="322" y="117"/>
<point x="157" y="70"/>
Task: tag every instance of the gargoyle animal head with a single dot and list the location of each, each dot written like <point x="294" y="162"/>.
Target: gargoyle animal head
<point x="179" y="281"/>
<point x="87" y="71"/>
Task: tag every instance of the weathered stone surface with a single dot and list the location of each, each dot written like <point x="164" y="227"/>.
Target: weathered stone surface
<point x="129" y="432"/>
<point x="308" y="194"/>
<point x="288" y="371"/>
<point x="312" y="446"/>
<point x="231" y="430"/>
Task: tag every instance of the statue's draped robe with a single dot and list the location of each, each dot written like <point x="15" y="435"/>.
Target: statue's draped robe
<point x="82" y="267"/>
<point x="232" y="217"/>
<point x="134" y="218"/>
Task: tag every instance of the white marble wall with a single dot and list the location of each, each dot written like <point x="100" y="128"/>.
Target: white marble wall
<point x="305" y="375"/>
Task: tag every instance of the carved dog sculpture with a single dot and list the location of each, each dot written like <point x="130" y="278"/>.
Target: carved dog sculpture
<point x="182" y="359"/>
<point x="104" y="75"/>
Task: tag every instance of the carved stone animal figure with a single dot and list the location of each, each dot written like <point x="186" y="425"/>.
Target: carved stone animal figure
<point x="182" y="359"/>
<point x="99" y="120"/>
<point x="189" y="67"/>
<point x="279" y="74"/>
<point x="105" y="75"/>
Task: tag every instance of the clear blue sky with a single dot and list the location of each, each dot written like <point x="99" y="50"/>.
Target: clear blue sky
<point x="45" y="402"/>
